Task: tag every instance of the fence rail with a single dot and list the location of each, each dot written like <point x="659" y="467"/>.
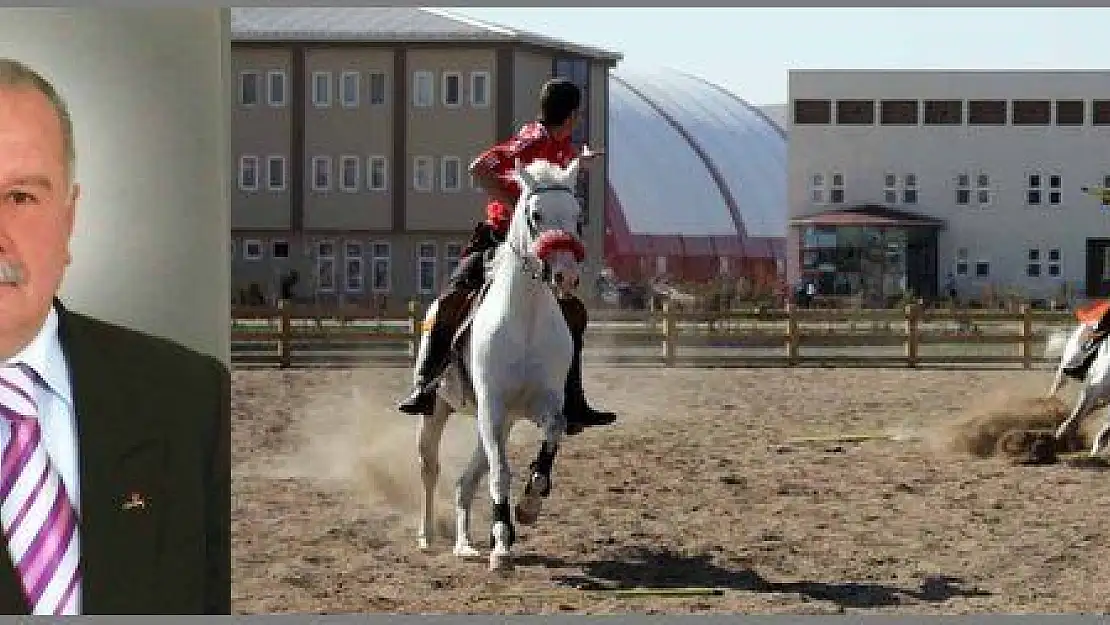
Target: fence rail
<point x="289" y="335"/>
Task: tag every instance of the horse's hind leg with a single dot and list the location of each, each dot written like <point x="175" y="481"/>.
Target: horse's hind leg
<point x="431" y="432"/>
<point x="538" y="486"/>
<point x="1083" y="406"/>
<point x="465" y="490"/>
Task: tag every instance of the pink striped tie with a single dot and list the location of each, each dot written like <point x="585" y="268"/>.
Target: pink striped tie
<point x="40" y="524"/>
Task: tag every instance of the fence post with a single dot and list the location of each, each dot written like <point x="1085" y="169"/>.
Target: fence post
<point x="414" y="329"/>
<point x="669" y="334"/>
<point x="913" y="314"/>
<point x="285" y="340"/>
<point x="1026" y="336"/>
<point x="792" y="338"/>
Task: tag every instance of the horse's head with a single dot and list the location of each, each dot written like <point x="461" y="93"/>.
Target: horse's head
<point x="547" y="222"/>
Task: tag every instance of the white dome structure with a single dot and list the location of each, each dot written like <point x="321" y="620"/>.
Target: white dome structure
<point x="697" y="183"/>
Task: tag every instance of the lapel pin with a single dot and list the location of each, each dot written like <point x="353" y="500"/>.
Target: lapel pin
<point x="134" y="501"/>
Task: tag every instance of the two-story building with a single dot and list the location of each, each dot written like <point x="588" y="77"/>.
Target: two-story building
<point x="352" y="130"/>
<point x="922" y="179"/>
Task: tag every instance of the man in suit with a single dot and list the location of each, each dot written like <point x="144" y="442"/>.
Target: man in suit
<point x="115" y="479"/>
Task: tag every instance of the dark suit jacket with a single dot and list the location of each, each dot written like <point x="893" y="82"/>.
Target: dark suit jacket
<point x="153" y="418"/>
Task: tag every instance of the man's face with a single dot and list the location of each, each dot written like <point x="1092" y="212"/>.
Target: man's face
<point x="36" y="211"/>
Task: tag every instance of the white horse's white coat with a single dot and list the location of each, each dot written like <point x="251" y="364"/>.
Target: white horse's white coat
<point x="1094" y="390"/>
<point x="517" y="356"/>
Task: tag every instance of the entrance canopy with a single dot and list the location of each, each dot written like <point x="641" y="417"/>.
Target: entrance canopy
<point x="868" y="216"/>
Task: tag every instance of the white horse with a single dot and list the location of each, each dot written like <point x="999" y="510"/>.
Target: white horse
<point x="1095" y="387"/>
<point x="514" y="361"/>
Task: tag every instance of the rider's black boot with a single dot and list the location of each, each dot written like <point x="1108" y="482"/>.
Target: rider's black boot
<point x="433" y="357"/>
<point x="578" y="411"/>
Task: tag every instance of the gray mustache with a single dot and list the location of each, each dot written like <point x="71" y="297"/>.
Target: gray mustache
<point x="11" y="272"/>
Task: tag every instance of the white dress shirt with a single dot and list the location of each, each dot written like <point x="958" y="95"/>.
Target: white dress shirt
<point x="56" y="415"/>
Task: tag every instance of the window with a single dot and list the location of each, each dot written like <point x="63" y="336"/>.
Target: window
<point x="275" y="88"/>
<point x="723" y="266"/>
<point x="352" y="267"/>
<point x="479" y="89"/>
<point x="943" y="113"/>
<point x="248" y="173"/>
<point x="963" y="189"/>
<point x="836" y="190"/>
<point x="1100" y="112"/>
<point x="1031" y="113"/>
<point x="279" y="248"/>
<point x="982" y="269"/>
<point x="452" y="89"/>
<point x="321" y="173"/>
<point x="377" y="88"/>
<point x="275" y="173"/>
<point x="986" y="112"/>
<point x="898" y="112"/>
<point x="426" y="268"/>
<point x="252" y="249"/>
<point x="423" y="91"/>
<point x="349" y="169"/>
<point x="961" y="261"/>
<point x="325" y="267"/>
<point x="379" y="267"/>
<point x="812" y="112"/>
<point x="909" y="189"/>
<point x="1033" y="189"/>
<point x="1054" y="262"/>
<point x="422" y="173"/>
<point x="890" y="188"/>
<point x="452" y="252"/>
<point x="349" y="85"/>
<point x="855" y="112"/>
<point x="817" y="188"/>
<point x="983" y="189"/>
<point x="321" y="89"/>
<point x="376" y="173"/>
<point x="248" y="88"/>
<point x="1069" y="113"/>
<point x="450" y="173"/>
<point x="1033" y="267"/>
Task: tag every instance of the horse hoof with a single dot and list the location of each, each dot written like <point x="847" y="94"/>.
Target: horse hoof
<point x="499" y="561"/>
<point x="467" y="552"/>
<point x="528" y="509"/>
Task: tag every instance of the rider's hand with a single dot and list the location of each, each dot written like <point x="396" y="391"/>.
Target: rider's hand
<point x="588" y="155"/>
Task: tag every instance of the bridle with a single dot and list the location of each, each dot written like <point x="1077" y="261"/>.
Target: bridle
<point x="543" y="273"/>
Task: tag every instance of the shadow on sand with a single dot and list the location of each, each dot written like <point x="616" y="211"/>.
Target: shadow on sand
<point x="641" y="567"/>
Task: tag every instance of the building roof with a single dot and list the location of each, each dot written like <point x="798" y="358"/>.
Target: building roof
<point x="385" y="25"/>
<point x="691" y="160"/>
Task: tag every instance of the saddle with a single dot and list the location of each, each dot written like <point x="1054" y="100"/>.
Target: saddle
<point x="468" y="310"/>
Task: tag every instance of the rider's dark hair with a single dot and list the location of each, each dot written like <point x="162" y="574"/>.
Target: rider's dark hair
<point x="559" y="98"/>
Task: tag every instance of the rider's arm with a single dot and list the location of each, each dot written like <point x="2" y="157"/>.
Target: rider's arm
<point x="492" y="170"/>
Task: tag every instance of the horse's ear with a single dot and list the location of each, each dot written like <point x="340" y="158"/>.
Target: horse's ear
<point x="572" y="171"/>
<point x="522" y="176"/>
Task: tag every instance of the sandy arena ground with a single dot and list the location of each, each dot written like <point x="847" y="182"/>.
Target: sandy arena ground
<point x="696" y="486"/>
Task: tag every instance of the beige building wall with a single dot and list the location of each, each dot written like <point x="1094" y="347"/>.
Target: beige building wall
<point x="261" y="131"/>
<point x="599" y="135"/>
<point x="348" y="140"/>
<point x="531" y="69"/>
<point x="442" y="137"/>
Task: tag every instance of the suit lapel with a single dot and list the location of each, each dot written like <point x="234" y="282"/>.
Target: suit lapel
<point x="121" y="463"/>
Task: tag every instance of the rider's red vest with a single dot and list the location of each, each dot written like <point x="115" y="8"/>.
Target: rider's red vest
<point x="531" y="143"/>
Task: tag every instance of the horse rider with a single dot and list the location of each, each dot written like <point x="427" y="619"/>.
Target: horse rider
<point x="548" y="138"/>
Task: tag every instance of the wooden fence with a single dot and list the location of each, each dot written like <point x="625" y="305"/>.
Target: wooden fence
<point x="290" y="335"/>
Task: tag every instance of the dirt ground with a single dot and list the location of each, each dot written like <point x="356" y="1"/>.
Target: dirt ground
<point x="698" y="485"/>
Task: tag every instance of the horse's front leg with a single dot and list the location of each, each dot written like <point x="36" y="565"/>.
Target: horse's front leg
<point x="431" y="432"/>
<point x="538" y="486"/>
<point x="493" y="429"/>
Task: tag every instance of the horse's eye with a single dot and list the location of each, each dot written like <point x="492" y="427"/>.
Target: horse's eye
<point x="537" y="217"/>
